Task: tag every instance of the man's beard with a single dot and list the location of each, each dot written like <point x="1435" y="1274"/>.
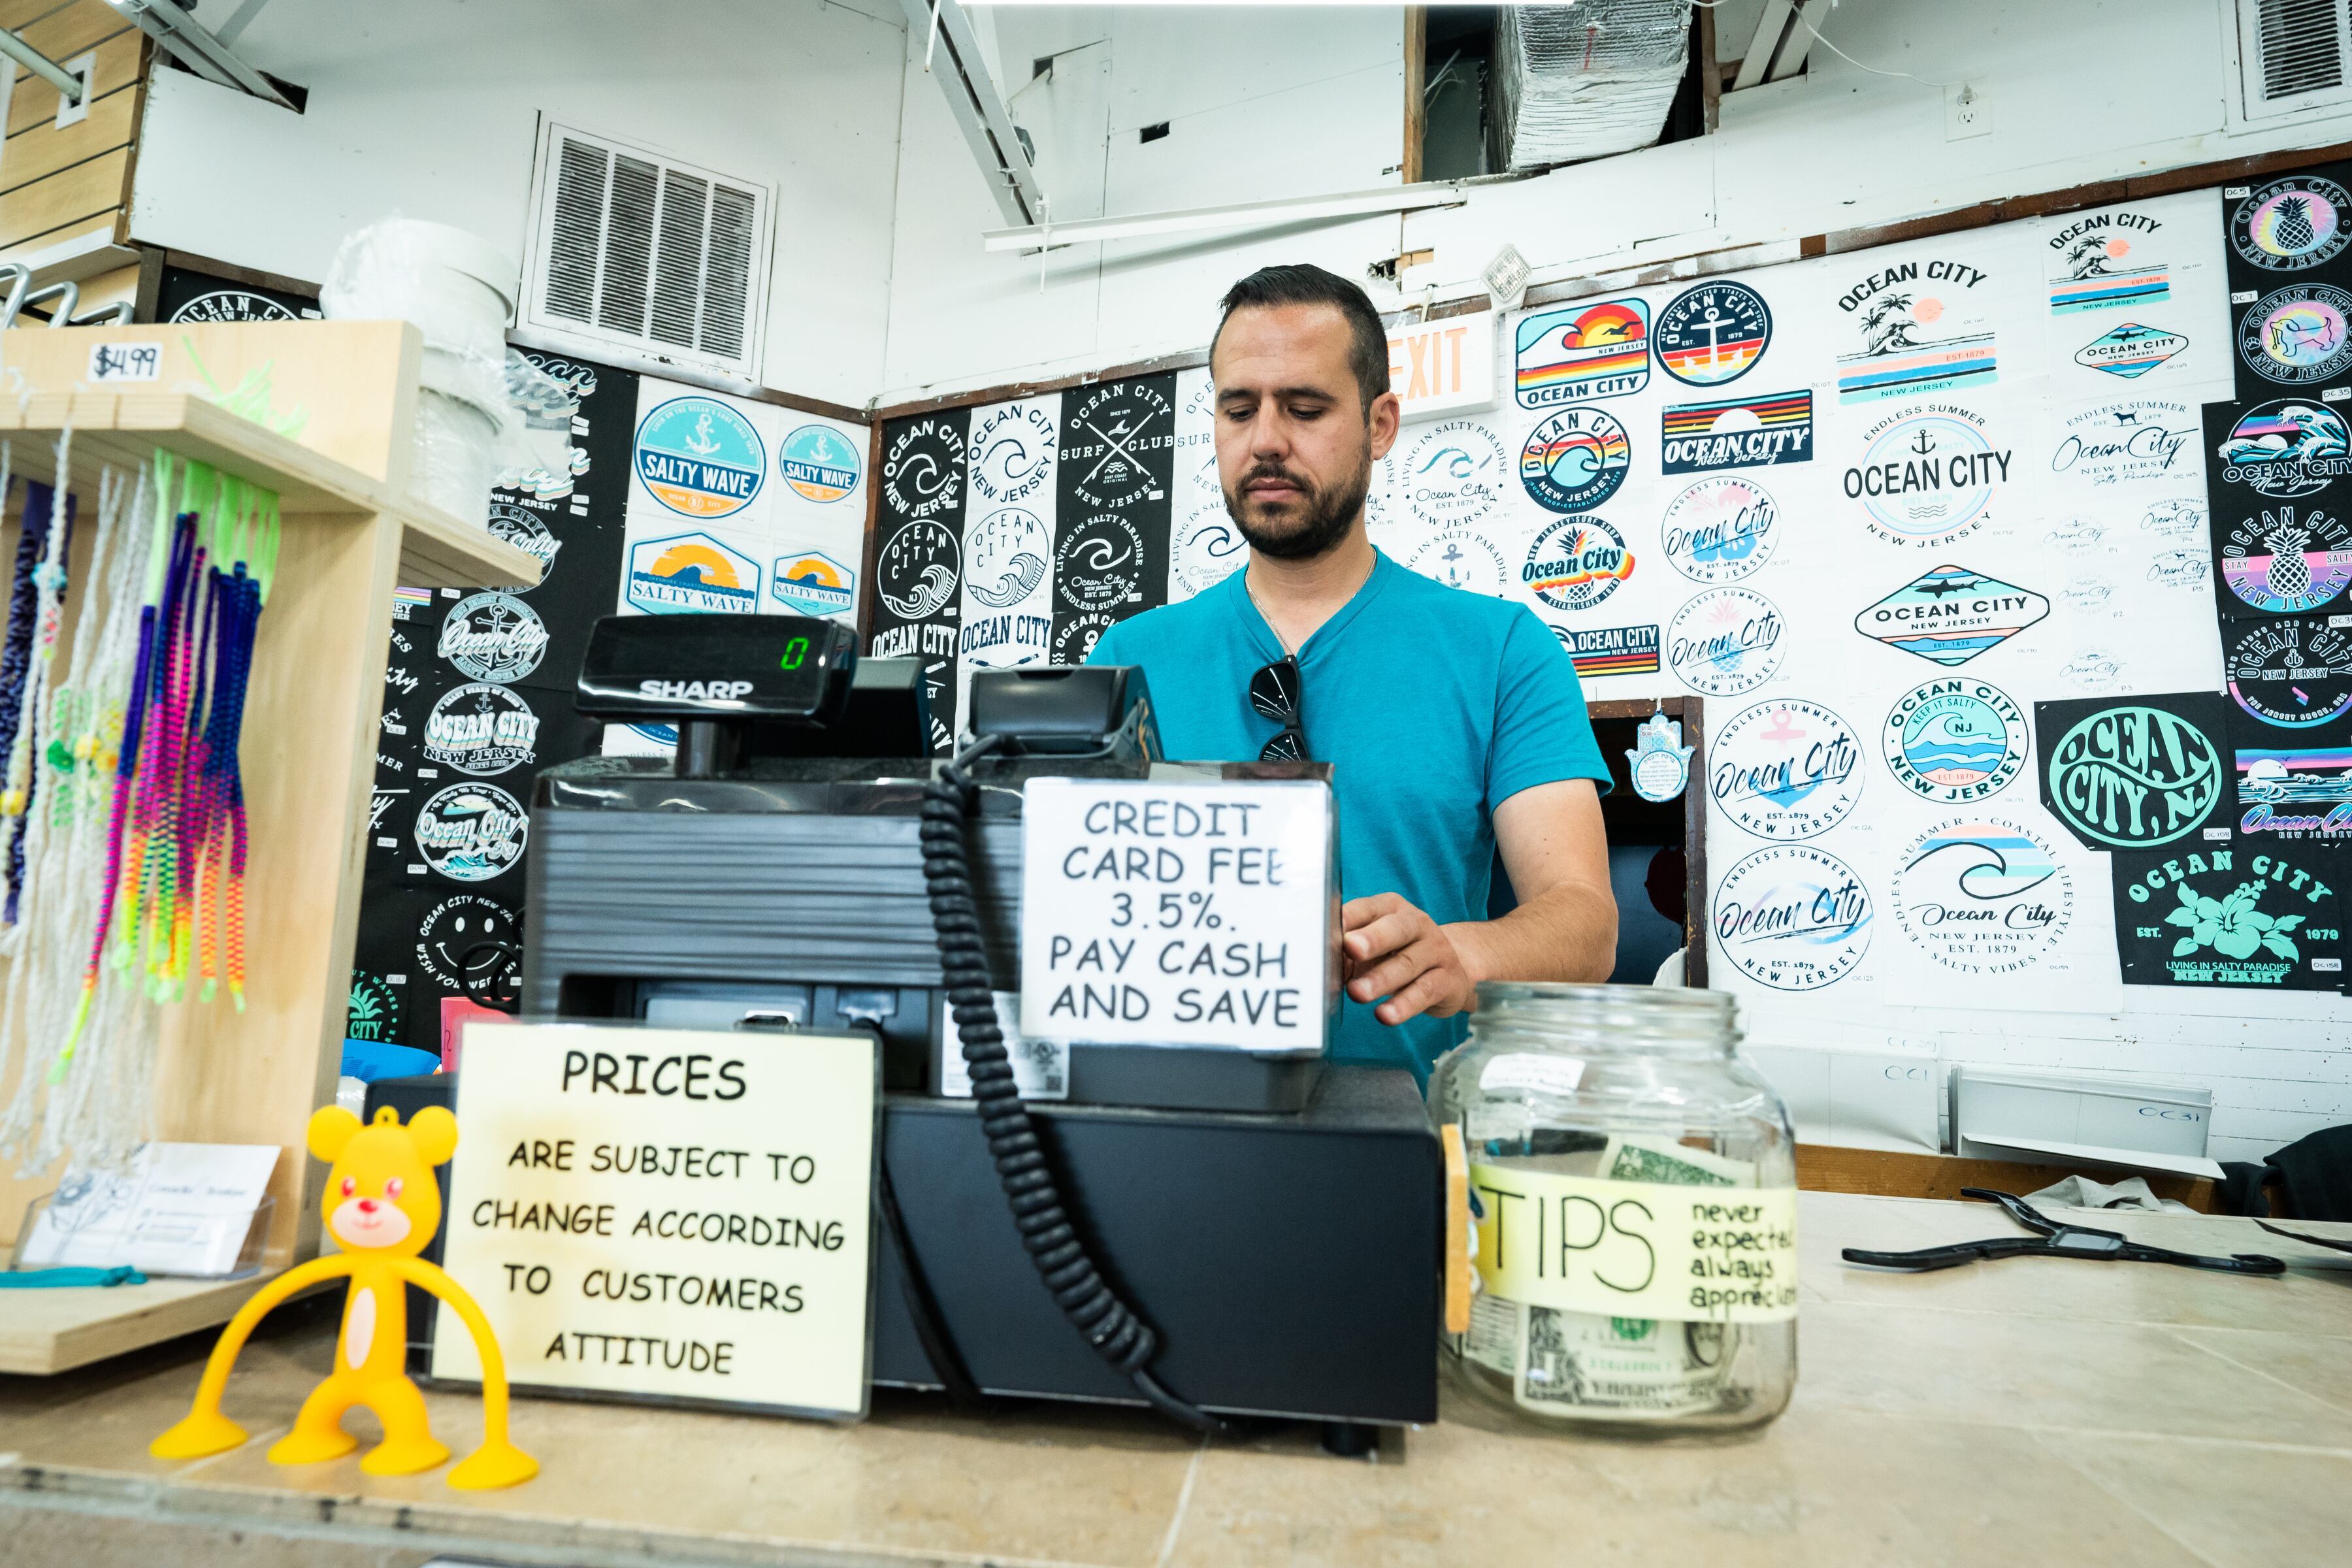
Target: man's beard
<point x="1323" y="522"/>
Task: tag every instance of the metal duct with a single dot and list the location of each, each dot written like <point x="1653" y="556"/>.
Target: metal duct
<point x="1588" y="80"/>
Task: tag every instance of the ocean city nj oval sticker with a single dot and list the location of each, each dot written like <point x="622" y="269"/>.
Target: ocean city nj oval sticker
<point x="1792" y="917"/>
<point x="1785" y="771"/>
<point x="2131" y="775"/>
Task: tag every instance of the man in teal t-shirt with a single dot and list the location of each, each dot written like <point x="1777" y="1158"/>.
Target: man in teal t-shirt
<point x="1453" y="721"/>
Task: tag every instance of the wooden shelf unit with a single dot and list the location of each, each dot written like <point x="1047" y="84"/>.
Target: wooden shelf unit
<point x="344" y="393"/>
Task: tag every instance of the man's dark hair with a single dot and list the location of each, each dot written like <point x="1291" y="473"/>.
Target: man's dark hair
<point x="1304" y="284"/>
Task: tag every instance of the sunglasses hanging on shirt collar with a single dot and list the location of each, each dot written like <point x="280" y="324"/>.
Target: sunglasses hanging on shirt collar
<point x="1274" y="691"/>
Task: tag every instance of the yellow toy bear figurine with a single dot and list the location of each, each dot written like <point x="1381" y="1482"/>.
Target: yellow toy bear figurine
<point x="382" y="1205"/>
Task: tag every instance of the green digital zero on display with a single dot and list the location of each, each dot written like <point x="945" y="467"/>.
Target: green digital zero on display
<point x="794" y="652"/>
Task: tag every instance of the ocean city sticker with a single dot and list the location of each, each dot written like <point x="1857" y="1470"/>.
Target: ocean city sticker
<point x="493" y="636"/>
<point x="2292" y="672"/>
<point x="1075" y="643"/>
<point x="691" y="573"/>
<point x="1785" y="770"/>
<point x="1208" y="550"/>
<point x="471" y="832"/>
<point x="1720" y="530"/>
<point x="1601" y="651"/>
<point x="522" y="527"/>
<point x="1725" y="641"/>
<point x="451" y="941"/>
<point x="2131" y="775"/>
<point x="2298" y="791"/>
<point x="700" y="458"/>
<point x="923" y="470"/>
<point x="1575" y="459"/>
<point x="1576" y="564"/>
<point x="231" y="305"/>
<point x="1712" y="333"/>
<point x="373" y="1011"/>
<point x="819" y="463"/>
<point x="2103" y="264"/>
<point x="813" y="584"/>
<point x="1929" y="476"/>
<point x="2292" y="224"/>
<point x="919" y="569"/>
<point x="1100" y="563"/>
<point x="1737" y="433"/>
<point x="1909" y="319"/>
<point x="2177" y="517"/>
<point x="2267" y="918"/>
<point x="1005" y="639"/>
<point x="1585" y="350"/>
<point x="2299" y="335"/>
<point x="2285" y="561"/>
<point x="1461" y="558"/>
<point x="2129" y="350"/>
<point x="2142" y="439"/>
<point x="2183" y="569"/>
<point x="1012" y="446"/>
<point x="1982" y="895"/>
<point x="2284" y="448"/>
<point x="481" y="729"/>
<point x="1792" y="917"/>
<point x="1454" y="475"/>
<point x="1005" y="555"/>
<point x="1951" y="614"/>
<point x="1108" y="435"/>
<point x="1955" y="740"/>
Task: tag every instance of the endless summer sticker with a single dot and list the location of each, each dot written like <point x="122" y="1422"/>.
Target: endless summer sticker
<point x="471" y="832"/>
<point x="2121" y="443"/>
<point x="1928" y="477"/>
<point x="1100" y="563"/>
<point x="1951" y="614"/>
<point x="1955" y="740"/>
<point x="2298" y="335"/>
<point x="1582" y="351"/>
<point x="2291" y="672"/>
<point x="1792" y="917"/>
<point x="1785" y="770"/>
<point x="1454" y="475"/>
<point x="2132" y="776"/>
<point x="1575" y="459"/>
<point x="2268" y="920"/>
<point x="1981" y="895"/>
<point x="1720" y="530"/>
<point x="2284" y="448"/>
<point x="2285" y="561"/>
<point x="2289" y="224"/>
<point x="1576" y="564"/>
<point x="1712" y="333"/>
<point x="1724" y="641"/>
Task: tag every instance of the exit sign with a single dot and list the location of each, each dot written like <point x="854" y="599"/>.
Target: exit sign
<point x="1445" y="366"/>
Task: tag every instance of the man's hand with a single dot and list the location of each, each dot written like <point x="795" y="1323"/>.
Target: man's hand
<point x="1395" y="950"/>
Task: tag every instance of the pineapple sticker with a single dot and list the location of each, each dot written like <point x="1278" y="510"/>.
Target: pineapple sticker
<point x="2285" y="562"/>
<point x="2290" y="224"/>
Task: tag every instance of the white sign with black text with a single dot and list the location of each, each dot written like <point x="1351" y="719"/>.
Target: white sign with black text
<point x="1177" y="913"/>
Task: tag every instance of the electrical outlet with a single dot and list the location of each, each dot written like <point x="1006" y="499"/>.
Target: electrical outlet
<point x="1968" y="110"/>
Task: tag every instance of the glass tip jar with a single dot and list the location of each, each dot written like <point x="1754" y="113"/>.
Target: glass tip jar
<point x="1633" y="1198"/>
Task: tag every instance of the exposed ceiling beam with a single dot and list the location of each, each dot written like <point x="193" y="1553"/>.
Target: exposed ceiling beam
<point x="952" y="55"/>
<point x="194" y="46"/>
<point x="1243" y="215"/>
<point x="1773" y="39"/>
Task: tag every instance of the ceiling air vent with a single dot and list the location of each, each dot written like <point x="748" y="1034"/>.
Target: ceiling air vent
<point x="2291" y="55"/>
<point x="629" y="247"/>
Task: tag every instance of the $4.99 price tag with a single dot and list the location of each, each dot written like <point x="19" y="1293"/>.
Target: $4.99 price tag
<point x="1637" y="1250"/>
<point x="1179" y="912"/>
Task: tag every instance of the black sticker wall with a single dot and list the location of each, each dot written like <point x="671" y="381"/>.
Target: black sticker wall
<point x="2135" y="772"/>
<point x="2266" y="917"/>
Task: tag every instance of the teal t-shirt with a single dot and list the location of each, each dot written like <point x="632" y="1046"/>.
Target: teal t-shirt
<point x="1432" y="705"/>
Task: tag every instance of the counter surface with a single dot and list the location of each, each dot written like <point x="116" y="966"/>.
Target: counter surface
<point x="2021" y="1412"/>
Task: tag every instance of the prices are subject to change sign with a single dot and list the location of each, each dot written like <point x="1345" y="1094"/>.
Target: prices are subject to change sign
<point x="1177" y="912"/>
<point x="678" y="1213"/>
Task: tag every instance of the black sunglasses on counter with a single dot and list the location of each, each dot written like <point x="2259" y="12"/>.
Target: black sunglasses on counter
<point x="1274" y="691"/>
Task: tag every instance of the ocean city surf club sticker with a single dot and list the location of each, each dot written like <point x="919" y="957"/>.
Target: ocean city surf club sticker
<point x="471" y="832"/>
<point x="1951" y="614"/>
<point x="1785" y="770"/>
<point x="700" y="458"/>
<point x="1582" y="351"/>
<point x="1792" y="917"/>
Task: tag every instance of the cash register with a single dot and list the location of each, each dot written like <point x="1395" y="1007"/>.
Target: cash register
<point x="1216" y="1233"/>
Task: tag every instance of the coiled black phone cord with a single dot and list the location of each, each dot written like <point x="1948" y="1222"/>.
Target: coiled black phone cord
<point x="1107" y="1323"/>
